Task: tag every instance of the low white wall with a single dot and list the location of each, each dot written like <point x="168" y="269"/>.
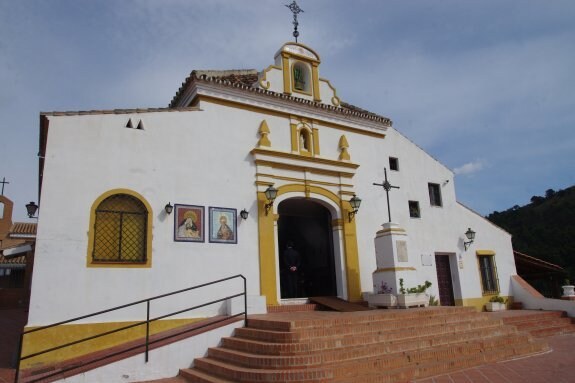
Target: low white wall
<point x="163" y="362"/>
<point x="530" y="302"/>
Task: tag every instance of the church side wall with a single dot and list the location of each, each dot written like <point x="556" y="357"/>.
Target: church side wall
<point x="439" y="230"/>
<point x="193" y="158"/>
<point x="203" y="158"/>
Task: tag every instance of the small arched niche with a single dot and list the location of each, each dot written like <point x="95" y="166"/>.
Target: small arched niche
<point x="301" y="77"/>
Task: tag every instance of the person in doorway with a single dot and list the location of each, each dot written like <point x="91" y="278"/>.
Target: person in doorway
<point x="292" y="262"/>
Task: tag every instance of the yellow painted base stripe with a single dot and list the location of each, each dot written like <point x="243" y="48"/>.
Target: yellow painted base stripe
<point x="479" y="303"/>
<point x="55" y="336"/>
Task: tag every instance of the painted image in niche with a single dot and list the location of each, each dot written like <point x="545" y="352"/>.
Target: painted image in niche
<point x="223" y="223"/>
<point x="189" y="223"/>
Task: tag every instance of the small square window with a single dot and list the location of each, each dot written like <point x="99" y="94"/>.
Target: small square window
<point x="393" y="163"/>
<point x="414" y="209"/>
<point x="434" y="194"/>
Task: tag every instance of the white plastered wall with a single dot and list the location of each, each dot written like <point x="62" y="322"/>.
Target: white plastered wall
<point x="203" y="158"/>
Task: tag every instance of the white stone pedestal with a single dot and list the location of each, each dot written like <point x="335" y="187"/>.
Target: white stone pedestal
<point x="392" y="259"/>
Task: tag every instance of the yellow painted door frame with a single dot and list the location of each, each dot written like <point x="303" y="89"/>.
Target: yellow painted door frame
<point x="267" y="242"/>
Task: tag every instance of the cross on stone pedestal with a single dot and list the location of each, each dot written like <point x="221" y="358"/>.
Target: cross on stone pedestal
<point x="3" y="182"/>
<point x="387" y="186"/>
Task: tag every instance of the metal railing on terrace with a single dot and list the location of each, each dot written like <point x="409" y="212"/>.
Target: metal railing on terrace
<point x="146" y="342"/>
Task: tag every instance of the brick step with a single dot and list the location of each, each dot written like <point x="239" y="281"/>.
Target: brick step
<point x="433" y="368"/>
<point x="550" y="331"/>
<point x="268" y="322"/>
<point x="382" y="326"/>
<point x="344" y="353"/>
<point x="243" y="374"/>
<point x="196" y="376"/>
<point x="543" y="324"/>
<point x="496" y="347"/>
<point x="535" y="316"/>
<point x="434" y="334"/>
<point x="558" y="322"/>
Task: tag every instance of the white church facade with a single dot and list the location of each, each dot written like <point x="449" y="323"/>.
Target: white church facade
<point x="105" y="237"/>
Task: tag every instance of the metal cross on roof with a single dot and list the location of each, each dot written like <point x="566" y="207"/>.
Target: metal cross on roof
<point x="295" y="10"/>
<point x="387" y="186"/>
<point x="3" y="182"/>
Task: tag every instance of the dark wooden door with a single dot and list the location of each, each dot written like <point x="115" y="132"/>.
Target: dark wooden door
<point x="445" y="284"/>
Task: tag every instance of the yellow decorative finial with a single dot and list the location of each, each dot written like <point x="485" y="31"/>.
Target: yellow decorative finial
<point x="264" y="131"/>
<point x="343" y="145"/>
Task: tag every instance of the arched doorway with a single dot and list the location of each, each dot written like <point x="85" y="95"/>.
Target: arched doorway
<point x="307" y="224"/>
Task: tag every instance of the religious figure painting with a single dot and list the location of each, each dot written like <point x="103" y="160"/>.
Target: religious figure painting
<point x="223" y="225"/>
<point x="188" y="223"/>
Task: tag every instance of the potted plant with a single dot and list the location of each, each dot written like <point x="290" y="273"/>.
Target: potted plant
<point x="496" y="303"/>
<point x="568" y="289"/>
<point x="413" y="296"/>
<point x="383" y="296"/>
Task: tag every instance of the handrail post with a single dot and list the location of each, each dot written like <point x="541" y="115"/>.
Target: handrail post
<point x="19" y="357"/>
<point x="147" y="328"/>
<point x="245" y="301"/>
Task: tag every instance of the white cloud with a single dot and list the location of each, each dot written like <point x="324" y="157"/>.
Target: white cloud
<point x="469" y="168"/>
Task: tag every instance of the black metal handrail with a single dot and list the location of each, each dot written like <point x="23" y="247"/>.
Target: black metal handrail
<point x="147" y="322"/>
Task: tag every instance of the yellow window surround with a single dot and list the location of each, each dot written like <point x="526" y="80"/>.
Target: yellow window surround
<point x="147" y="241"/>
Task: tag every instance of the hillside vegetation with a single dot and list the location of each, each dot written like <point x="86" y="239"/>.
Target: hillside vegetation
<point x="545" y="228"/>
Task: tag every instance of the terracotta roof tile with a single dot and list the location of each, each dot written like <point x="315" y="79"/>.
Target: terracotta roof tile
<point x="16" y="261"/>
<point x="247" y="78"/>
<point x="119" y="111"/>
<point x="22" y="228"/>
<point x="537" y="261"/>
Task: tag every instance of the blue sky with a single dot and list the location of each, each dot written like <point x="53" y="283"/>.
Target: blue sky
<point x="486" y="87"/>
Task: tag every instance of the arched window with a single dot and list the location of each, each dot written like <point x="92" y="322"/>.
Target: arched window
<point x="120" y="230"/>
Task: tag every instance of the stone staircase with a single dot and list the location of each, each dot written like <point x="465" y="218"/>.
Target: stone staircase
<point x="540" y="323"/>
<point x="369" y="346"/>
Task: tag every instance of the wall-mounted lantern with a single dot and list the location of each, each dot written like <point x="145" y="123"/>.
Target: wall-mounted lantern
<point x="271" y="194"/>
<point x="470" y="234"/>
<point x="355" y="203"/>
<point x="31" y="208"/>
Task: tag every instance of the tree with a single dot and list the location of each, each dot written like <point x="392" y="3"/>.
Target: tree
<point x="537" y="200"/>
<point x="549" y="193"/>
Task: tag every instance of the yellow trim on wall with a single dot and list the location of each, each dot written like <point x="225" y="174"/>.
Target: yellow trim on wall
<point x="266" y="228"/>
<point x="55" y="336"/>
<point x="264" y="83"/>
<point x="272" y="112"/>
<point x="484" y="252"/>
<point x="294" y="138"/>
<point x="264" y="132"/>
<point x="286" y="72"/>
<point x="335" y="99"/>
<point x="91" y="232"/>
<point x="487" y="253"/>
<point x="294" y="156"/>
<point x="315" y="135"/>
<point x="394" y="269"/>
<point x="315" y="82"/>
<point x="267" y="253"/>
<point x="298" y="168"/>
<point x="302" y="180"/>
<point x="479" y="303"/>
